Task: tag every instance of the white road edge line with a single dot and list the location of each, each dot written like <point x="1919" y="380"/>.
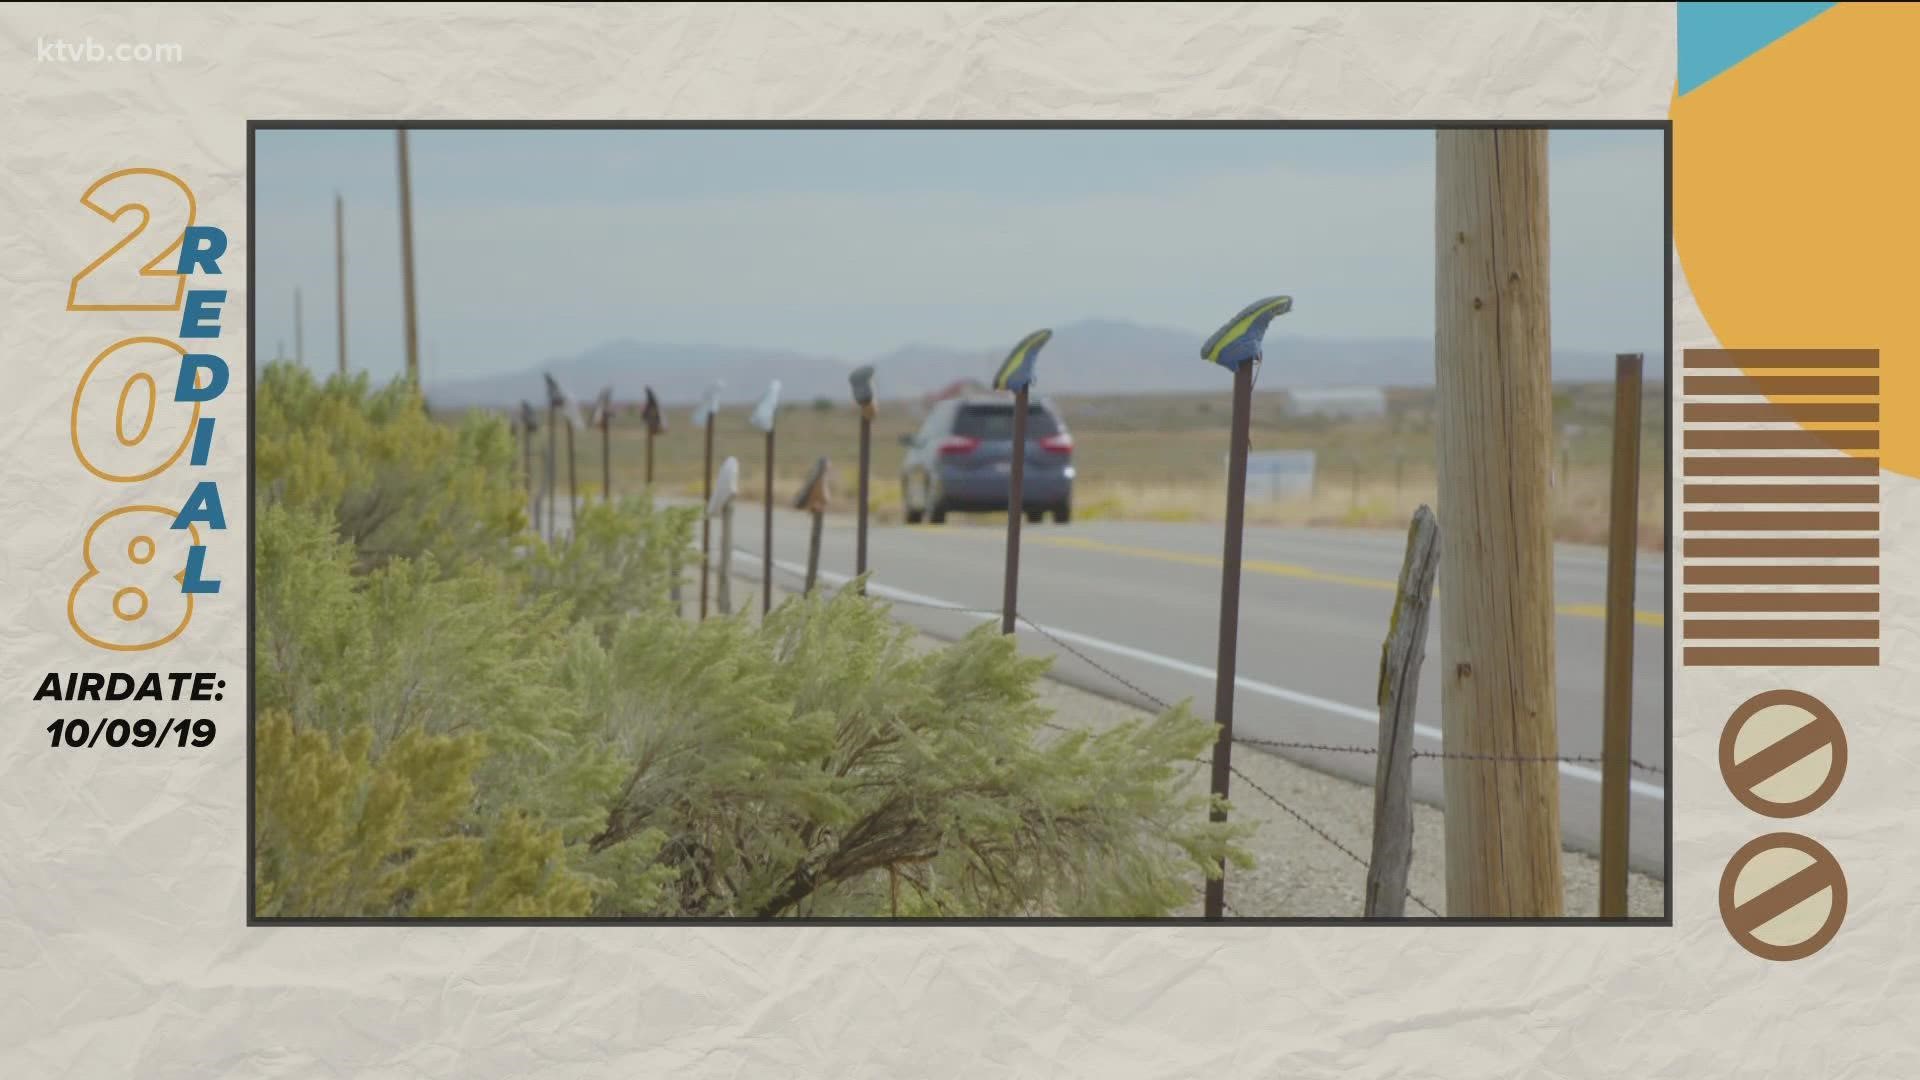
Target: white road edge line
<point x="1349" y="712"/>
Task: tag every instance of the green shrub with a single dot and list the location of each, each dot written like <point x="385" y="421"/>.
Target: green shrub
<point x="456" y="719"/>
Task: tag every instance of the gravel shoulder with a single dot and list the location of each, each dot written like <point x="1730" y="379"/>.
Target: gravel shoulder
<point x="1299" y="874"/>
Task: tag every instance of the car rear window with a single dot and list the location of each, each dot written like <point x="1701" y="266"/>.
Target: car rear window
<point x="996" y="421"/>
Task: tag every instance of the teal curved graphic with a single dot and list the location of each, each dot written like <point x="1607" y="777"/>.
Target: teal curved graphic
<point x="1715" y="37"/>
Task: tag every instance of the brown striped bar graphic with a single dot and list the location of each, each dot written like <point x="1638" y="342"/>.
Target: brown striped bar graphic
<point x="1747" y="359"/>
<point x="1782" y="493"/>
<point x="1781" y="574"/>
<point x="1773" y="547"/>
<point x="1797" y="385"/>
<point x="1780" y="656"/>
<point x="1782" y="601"/>
<point x="1825" y="629"/>
<point x="1794" y="412"/>
<point x="1782" y="520"/>
<point x="1783" y="466"/>
<point x="1773" y="439"/>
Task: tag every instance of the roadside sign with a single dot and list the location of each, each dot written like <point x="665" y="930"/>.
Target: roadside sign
<point x="1280" y="474"/>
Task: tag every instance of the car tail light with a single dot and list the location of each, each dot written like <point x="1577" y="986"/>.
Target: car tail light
<point x="1057" y="444"/>
<point x="954" y="445"/>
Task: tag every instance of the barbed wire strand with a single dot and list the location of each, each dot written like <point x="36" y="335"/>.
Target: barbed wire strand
<point x="1325" y="748"/>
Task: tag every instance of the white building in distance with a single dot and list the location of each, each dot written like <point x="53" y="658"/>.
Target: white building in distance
<point x="1337" y="402"/>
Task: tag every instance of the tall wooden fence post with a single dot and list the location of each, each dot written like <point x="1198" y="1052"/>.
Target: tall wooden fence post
<point x="1015" y="374"/>
<point x="1016" y="496"/>
<point x="1238" y="347"/>
<point x="1494" y="407"/>
<point x="1617" y="700"/>
<point x="813" y="499"/>
<point x="1400" y="661"/>
<point x="705" y="416"/>
<point x="861" y="381"/>
<point x="725" y="486"/>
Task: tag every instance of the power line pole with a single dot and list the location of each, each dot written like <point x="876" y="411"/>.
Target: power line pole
<point x="1495" y="420"/>
<point x="340" y="277"/>
<point x="299" y="332"/>
<point x="406" y="264"/>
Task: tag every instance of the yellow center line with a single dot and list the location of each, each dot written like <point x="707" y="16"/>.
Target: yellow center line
<point x="1302" y="573"/>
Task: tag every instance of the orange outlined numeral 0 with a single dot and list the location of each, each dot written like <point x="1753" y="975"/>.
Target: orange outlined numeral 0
<point x="142" y="372"/>
<point x="155" y="286"/>
<point x="130" y="598"/>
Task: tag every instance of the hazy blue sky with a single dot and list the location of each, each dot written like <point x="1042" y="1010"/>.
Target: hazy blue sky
<point x="531" y="245"/>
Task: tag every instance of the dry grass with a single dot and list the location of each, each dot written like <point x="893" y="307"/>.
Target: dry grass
<point x="1162" y="458"/>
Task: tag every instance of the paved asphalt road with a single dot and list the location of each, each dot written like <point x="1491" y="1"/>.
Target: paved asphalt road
<point x="1141" y="599"/>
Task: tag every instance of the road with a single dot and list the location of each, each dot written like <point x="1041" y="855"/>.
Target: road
<point x="1142" y="600"/>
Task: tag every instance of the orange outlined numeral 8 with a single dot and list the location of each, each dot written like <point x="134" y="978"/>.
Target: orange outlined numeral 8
<point x="130" y="599"/>
<point x="155" y="286"/>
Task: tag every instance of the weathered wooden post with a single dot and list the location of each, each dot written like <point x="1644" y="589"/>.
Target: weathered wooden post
<point x="1236" y="347"/>
<point x="763" y="417"/>
<point x="703" y="416"/>
<point x="1016" y="374"/>
<point x="813" y="499"/>
<point x="567" y="411"/>
<point x="656" y="423"/>
<point x="1494" y="406"/>
<point x="1400" y="659"/>
<point x="725" y="487"/>
<point x="1623" y="528"/>
<point x="861" y="379"/>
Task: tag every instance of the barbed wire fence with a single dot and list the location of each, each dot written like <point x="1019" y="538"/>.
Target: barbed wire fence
<point x="894" y="597"/>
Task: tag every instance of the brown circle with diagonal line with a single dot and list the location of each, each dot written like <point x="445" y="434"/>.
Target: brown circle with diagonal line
<point x="1781" y="777"/>
<point x="1797" y="935"/>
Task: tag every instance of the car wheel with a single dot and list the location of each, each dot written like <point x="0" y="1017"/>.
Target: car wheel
<point x="915" y="514"/>
<point x="937" y="514"/>
<point x="1036" y="516"/>
<point x="1063" y="513"/>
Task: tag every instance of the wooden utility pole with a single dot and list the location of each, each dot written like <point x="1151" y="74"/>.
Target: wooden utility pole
<point x="406" y="264"/>
<point x="299" y="332"/>
<point x="1495" y="418"/>
<point x="340" y="277"/>
<point x="1623" y="528"/>
<point x="1400" y="661"/>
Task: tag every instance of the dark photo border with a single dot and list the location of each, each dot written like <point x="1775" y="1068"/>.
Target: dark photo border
<point x="254" y="127"/>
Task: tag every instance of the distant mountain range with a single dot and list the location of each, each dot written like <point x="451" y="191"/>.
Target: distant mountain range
<point x="1096" y="356"/>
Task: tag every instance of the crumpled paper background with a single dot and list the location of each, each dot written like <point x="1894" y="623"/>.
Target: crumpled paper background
<point x="123" y="949"/>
